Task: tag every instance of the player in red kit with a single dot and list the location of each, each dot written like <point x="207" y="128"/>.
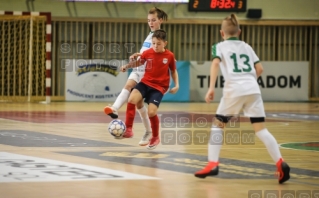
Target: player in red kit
<point x="159" y="63"/>
<point x="155" y="18"/>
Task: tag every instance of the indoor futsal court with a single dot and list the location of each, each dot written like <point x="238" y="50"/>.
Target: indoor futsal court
<point x="60" y="78"/>
<point x="64" y="150"/>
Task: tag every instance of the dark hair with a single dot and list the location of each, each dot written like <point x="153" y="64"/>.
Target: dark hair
<point x="159" y="34"/>
<point x="160" y="13"/>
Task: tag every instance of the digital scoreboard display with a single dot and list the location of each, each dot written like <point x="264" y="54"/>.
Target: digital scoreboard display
<point x="217" y="5"/>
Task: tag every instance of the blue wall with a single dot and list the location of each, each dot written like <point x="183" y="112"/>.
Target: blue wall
<point x="183" y="93"/>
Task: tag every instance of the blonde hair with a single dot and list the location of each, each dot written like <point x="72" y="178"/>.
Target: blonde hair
<point x="230" y="25"/>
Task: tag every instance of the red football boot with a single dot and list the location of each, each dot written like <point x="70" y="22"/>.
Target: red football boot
<point x="128" y="133"/>
<point x="211" y="169"/>
<point x="282" y="171"/>
<point x="153" y="143"/>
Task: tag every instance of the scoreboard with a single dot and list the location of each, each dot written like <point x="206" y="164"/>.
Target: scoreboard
<point x="217" y="5"/>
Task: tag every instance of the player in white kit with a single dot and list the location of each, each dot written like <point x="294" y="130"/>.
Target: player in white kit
<point x="155" y="18"/>
<point x="240" y="67"/>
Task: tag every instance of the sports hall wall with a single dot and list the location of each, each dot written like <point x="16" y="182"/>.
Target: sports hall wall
<point x="272" y="9"/>
<point x="286" y="39"/>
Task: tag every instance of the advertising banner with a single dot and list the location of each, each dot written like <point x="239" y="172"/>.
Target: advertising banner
<point x="93" y="80"/>
<point x="280" y="81"/>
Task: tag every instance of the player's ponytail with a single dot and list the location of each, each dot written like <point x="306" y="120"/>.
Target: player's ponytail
<point x="160" y="13"/>
<point x="230" y="25"/>
<point x="233" y="19"/>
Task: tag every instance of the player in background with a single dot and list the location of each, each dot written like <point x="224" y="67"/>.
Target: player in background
<point x="160" y="62"/>
<point x="155" y="18"/>
<point x="240" y="67"/>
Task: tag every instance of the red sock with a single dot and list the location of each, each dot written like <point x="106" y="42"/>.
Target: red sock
<point x="155" y="125"/>
<point x="130" y="114"/>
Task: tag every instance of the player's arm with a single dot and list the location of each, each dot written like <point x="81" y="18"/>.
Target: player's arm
<point x="131" y="64"/>
<point x="214" y="69"/>
<point x="259" y="69"/>
<point x="135" y="56"/>
<point x="134" y="63"/>
<point x="174" y="75"/>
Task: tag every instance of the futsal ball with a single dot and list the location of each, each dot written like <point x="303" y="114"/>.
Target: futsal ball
<point x="117" y="128"/>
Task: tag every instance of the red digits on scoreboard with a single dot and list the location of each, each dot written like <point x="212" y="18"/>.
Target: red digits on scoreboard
<point x="229" y="4"/>
<point x="221" y="4"/>
<point x="225" y="4"/>
<point x="213" y="3"/>
<point x="218" y="5"/>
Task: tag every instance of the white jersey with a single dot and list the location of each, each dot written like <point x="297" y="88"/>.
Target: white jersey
<point x="146" y="45"/>
<point x="237" y="66"/>
<point x="147" y="42"/>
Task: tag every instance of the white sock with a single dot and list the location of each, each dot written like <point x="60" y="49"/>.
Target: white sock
<point x="216" y="141"/>
<point x="145" y="120"/>
<point x="121" y="99"/>
<point x="270" y="143"/>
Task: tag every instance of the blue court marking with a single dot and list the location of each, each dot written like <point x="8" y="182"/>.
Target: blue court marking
<point x="190" y="163"/>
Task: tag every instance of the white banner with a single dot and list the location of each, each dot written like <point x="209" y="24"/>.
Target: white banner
<point x="280" y="81"/>
<point x="200" y="78"/>
<point x="93" y="80"/>
<point x="21" y="168"/>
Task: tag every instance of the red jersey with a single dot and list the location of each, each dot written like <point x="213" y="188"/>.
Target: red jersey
<point x="157" y="68"/>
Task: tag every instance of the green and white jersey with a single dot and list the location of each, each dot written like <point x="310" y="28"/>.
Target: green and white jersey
<point x="237" y="66"/>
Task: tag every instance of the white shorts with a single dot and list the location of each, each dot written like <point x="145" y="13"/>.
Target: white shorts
<point x="136" y="76"/>
<point x="252" y="106"/>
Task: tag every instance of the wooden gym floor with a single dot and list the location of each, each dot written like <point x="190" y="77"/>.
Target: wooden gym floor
<point x="63" y="150"/>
